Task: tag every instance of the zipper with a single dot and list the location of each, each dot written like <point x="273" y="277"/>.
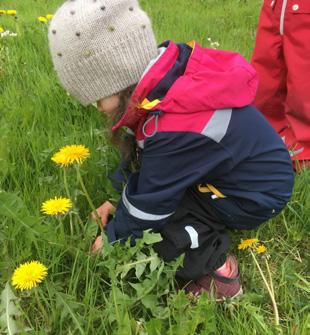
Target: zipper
<point x="282" y="17"/>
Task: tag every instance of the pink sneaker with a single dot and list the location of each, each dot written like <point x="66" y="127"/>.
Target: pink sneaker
<point x="219" y="286"/>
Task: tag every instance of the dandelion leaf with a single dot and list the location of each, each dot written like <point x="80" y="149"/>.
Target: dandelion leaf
<point x="124" y="328"/>
<point x="154" y="327"/>
<point x="69" y="307"/>
<point x="12" y="206"/>
<point x="151" y="238"/>
<point x="123" y="270"/>
<point x="90" y="229"/>
<point x="140" y="267"/>
<point x="9" y="312"/>
<point x="150" y="301"/>
<point x="155" y="262"/>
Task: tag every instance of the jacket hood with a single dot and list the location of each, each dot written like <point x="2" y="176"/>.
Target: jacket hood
<point x="212" y="80"/>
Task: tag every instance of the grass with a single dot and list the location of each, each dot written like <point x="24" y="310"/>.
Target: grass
<point x="129" y="290"/>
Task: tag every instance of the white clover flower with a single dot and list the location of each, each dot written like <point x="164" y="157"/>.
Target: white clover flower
<point x="215" y="45"/>
<point x="8" y="33"/>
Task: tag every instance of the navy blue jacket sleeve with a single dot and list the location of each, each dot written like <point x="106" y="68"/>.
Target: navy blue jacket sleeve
<point x="120" y="176"/>
<point x="171" y="162"/>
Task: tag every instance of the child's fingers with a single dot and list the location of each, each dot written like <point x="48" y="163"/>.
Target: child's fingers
<point x="111" y="207"/>
<point x="104" y="211"/>
<point x="97" y="245"/>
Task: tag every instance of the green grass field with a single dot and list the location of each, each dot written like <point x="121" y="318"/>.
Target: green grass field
<point x="125" y="290"/>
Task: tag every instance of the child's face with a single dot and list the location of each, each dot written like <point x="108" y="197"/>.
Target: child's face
<point x="109" y="105"/>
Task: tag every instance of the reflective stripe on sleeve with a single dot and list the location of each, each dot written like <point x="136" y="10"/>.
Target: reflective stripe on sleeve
<point x="137" y="213"/>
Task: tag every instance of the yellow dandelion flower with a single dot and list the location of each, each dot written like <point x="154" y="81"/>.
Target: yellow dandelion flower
<point x="2" y="11"/>
<point x="11" y="12"/>
<point x="56" y="206"/>
<point x="244" y="244"/>
<point x="261" y="249"/>
<point x="29" y="275"/>
<point x="42" y="19"/>
<point x="71" y="154"/>
<point x="49" y="16"/>
<point x="1" y="30"/>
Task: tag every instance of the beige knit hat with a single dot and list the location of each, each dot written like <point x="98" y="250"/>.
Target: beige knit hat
<point x="100" y="47"/>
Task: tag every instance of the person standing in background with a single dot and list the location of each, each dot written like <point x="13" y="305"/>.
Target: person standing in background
<point x="282" y="59"/>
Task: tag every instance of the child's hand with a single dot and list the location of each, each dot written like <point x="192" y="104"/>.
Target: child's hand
<point x="97" y="245"/>
<point x="104" y="211"/>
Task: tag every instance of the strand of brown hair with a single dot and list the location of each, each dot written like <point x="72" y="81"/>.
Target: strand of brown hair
<point x="125" y="142"/>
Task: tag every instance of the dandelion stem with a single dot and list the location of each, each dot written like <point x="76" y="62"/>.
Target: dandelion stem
<point x="66" y="183"/>
<point x="80" y="179"/>
<point x="71" y="224"/>
<point x="269" y="275"/>
<point x="270" y="291"/>
<point x="69" y="196"/>
<point x="61" y="225"/>
<point x="41" y="307"/>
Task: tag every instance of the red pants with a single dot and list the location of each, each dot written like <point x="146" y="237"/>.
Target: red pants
<point x="282" y="60"/>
